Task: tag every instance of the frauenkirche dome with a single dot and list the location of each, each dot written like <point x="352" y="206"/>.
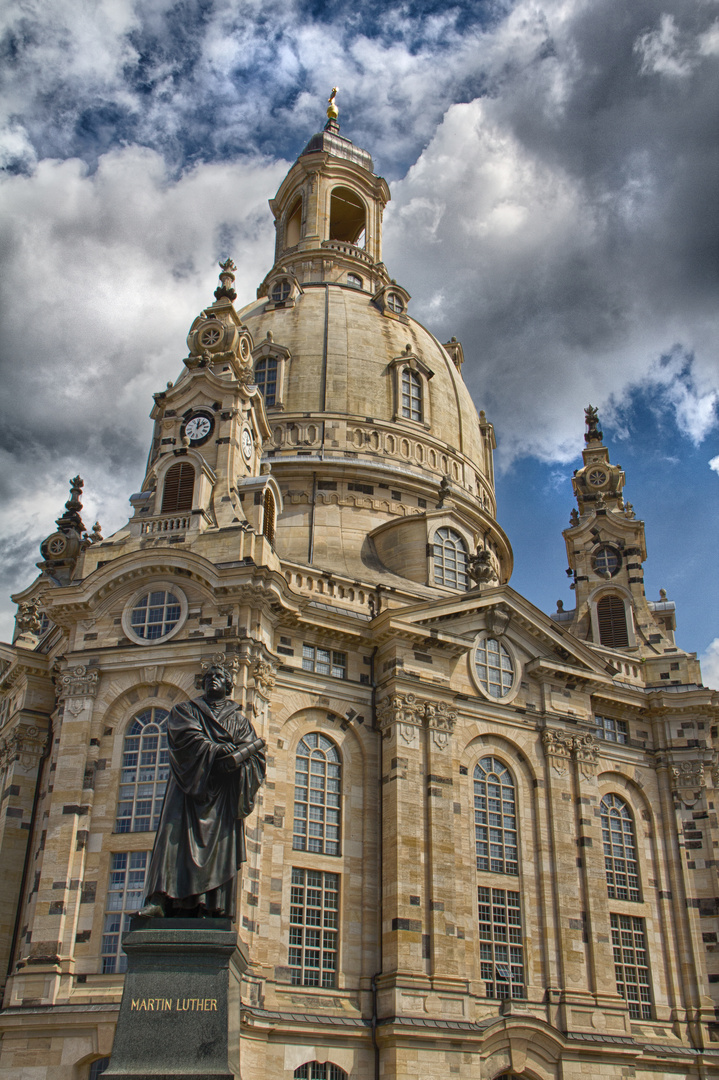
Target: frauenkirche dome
<point x="372" y="424"/>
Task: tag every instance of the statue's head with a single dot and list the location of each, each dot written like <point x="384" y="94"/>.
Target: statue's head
<point x="217" y="681"/>
<point x="218" y="675"/>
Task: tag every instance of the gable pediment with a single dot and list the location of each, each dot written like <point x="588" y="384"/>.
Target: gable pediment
<point x="546" y="650"/>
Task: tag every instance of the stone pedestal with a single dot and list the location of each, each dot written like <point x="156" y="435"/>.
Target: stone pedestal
<point x="181" y="988"/>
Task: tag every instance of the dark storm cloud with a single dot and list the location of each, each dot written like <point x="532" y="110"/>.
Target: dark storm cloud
<point x="577" y="224"/>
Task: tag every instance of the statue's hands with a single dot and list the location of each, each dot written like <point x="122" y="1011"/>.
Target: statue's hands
<point x="243" y="753"/>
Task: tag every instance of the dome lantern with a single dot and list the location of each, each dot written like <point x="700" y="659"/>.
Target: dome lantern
<point x="328" y="213"/>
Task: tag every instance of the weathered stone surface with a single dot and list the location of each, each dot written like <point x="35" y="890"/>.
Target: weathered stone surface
<point x="173" y="1021"/>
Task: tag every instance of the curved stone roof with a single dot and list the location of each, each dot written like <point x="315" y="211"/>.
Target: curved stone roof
<point x="342" y="347"/>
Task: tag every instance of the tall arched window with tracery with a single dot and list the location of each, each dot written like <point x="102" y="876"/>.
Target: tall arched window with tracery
<point x="501" y="942"/>
<point x="412" y="395"/>
<point x="318" y="778"/>
<point x="450" y="559"/>
<point x="495" y="817"/>
<point x="620" y="850"/>
<point x="144" y="773"/>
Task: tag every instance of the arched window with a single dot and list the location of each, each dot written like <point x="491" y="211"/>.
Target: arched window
<point x="612" y="619"/>
<point x="317" y="796"/>
<point x="268" y="518"/>
<point x="411" y="395"/>
<point x="314" y="1070"/>
<point x="145" y="768"/>
<point x="450" y="559"/>
<point x="495" y="817"/>
<point x="354" y="280"/>
<point x="266" y="379"/>
<point x="620" y="852"/>
<point x="178" y="489"/>
<point x="347" y="217"/>
<point x="280" y="291"/>
<point x="294" y="225"/>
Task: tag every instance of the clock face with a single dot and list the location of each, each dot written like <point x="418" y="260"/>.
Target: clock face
<point x="247" y="444"/>
<point x="597" y="477"/>
<point x="198" y="428"/>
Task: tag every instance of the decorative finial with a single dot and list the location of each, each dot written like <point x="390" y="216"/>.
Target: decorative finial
<point x="662" y="595"/>
<point x="227" y="280"/>
<point x="332" y="111"/>
<point x="480" y="568"/>
<point x="593" y="433"/>
<point x="71" y="518"/>
<point x="560" y="607"/>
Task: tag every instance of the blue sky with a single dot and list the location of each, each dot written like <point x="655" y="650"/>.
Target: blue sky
<point x="553" y="169"/>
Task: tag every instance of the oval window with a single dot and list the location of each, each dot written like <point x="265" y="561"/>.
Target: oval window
<point x="494" y="667"/>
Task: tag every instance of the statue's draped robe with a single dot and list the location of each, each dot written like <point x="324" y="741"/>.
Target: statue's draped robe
<point x="200" y="840"/>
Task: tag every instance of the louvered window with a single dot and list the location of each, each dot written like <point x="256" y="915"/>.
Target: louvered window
<point x="268" y="523"/>
<point x="179" y="486"/>
<point x="612" y="620"/>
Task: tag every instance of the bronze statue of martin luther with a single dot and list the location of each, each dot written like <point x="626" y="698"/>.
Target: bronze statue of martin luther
<point x="217" y="763"/>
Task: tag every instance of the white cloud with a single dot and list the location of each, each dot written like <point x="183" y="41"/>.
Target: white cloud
<point x="710" y="665"/>
<point x="101" y="276"/>
<point x="661" y="52"/>
<point x="714" y="464"/>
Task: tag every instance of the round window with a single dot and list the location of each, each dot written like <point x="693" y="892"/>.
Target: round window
<point x="281" y="291"/>
<point x="494" y="668"/>
<point x="155" y="614"/>
<point x="606" y="561"/>
<point x="395" y="303"/>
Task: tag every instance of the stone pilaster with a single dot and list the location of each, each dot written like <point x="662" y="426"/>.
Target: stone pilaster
<point x="47" y="959"/>
<point x="445" y="965"/>
<point x="567" y="901"/>
<point x="405" y="941"/>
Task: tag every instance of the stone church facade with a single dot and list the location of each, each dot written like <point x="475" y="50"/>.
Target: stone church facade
<point x="486" y="843"/>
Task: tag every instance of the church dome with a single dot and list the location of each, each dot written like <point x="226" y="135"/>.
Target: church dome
<point x="371" y="422"/>
<point x="347" y="360"/>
